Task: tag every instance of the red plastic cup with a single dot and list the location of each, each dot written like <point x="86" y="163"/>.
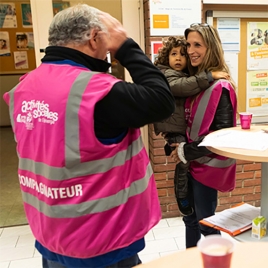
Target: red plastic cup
<point x="216" y="251"/>
<point x="245" y="120"/>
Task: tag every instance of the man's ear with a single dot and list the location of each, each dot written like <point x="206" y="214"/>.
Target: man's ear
<point x="92" y="40"/>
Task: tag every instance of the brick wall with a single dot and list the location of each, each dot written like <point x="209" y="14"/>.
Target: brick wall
<point x="248" y="174"/>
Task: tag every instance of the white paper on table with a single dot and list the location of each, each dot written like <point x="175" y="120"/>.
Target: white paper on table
<point x="237" y="139"/>
<point x="236" y="218"/>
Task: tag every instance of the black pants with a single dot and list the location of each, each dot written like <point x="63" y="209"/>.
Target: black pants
<point x="204" y="201"/>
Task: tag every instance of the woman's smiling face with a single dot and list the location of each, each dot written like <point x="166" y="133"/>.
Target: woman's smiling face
<point x="196" y="48"/>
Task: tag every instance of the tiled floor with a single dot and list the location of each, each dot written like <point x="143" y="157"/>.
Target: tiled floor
<point x="17" y="244"/>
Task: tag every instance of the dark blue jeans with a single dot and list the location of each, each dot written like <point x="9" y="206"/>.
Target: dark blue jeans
<point x="126" y="263"/>
<point x="204" y="201"/>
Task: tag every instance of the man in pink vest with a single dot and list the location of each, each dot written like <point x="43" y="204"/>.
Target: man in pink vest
<point x="86" y="179"/>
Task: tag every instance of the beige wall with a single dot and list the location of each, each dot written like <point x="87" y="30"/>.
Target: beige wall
<point x="110" y="6"/>
<point x="42" y="14"/>
<point x="7" y="82"/>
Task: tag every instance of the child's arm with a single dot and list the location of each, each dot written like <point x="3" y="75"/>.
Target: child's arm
<point x="182" y="86"/>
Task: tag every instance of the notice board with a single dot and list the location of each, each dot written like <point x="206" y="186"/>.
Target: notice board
<point x="242" y="60"/>
<point x="17" y="54"/>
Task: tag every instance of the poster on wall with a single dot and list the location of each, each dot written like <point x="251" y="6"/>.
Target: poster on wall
<point x="8" y="17"/>
<point x="155" y="45"/>
<point x="26" y="14"/>
<point x="229" y="31"/>
<point x="257" y="46"/>
<point x="231" y="60"/>
<point x="257" y="92"/>
<point x="4" y="44"/>
<point x="25" y="40"/>
<point x="173" y="17"/>
<point x="21" y="60"/>
<point x="59" y="6"/>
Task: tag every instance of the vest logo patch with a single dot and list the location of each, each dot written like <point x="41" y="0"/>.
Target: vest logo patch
<point x="36" y="109"/>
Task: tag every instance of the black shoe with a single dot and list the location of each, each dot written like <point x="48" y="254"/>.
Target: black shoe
<point x="185" y="207"/>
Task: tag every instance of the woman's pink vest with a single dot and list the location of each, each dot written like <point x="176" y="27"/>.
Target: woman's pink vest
<point x="213" y="170"/>
<point x="82" y="198"/>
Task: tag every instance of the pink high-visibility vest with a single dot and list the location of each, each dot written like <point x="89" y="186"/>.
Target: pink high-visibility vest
<point x="213" y="170"/>
<point x="82" y="198"/>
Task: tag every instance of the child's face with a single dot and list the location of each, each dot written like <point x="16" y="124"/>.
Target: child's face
<point x="177" y="60"/>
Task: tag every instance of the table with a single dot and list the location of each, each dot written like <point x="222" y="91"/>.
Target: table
<point x="246" y="255"/>
<point x="249" y="155"/>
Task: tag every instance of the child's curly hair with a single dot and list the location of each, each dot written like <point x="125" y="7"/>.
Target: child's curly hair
<point x="168" y="45"/>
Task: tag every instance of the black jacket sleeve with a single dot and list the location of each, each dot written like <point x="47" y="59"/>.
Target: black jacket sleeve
<point x="148" y="99"/>
<point x="223" y="119"/>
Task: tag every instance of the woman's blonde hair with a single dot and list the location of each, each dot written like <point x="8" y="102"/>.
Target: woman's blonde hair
<point x="214" y="58"/>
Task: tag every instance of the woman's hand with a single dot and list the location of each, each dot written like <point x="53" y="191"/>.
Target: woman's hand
<point x="219" y="75"/>
<point x="174" y="153"/>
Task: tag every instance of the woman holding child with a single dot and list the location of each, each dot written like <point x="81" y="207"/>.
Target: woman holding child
<point x="208" y="111"/>
<point x="173" y="62"/>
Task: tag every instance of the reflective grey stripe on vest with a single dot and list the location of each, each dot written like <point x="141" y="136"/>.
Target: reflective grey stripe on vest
<point x="81" y="169"/>
<point x="90" y="207"/>
<point x="214" y="162"/>
<point x="197" y="121"/>
<point x="72" y="155"/>
<point x="73" y="166"/>
<point x="200" y="112"/>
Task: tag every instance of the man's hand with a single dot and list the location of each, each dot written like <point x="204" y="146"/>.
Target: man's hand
<point x="116" y="34"/>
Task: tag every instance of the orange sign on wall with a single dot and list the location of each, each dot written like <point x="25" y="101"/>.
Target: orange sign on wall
<point x="161" y="21"/>
<point x="255" y="102"/>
